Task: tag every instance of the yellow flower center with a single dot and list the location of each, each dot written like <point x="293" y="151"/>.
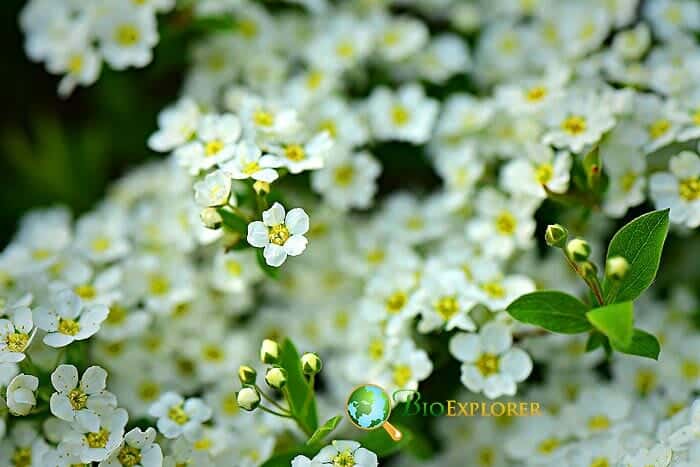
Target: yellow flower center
<point x="690" y="370"/>
<point x="148" y="391"/>
<point x="16" y="341"/>
<point x="294" y="152"/>
<point x="494" y="289"/>
<point x="689" y="189"/>
<point x="127" y="35"/>
<point x="129" y="456"/>
<point x="278" y="234"/>
<point x="68" y="326"/>
<point x="97" y="439"/>
<point x="402" y="375"/>
<point x="41" y="254"/>
<point x="75" y="64"/>
<point x="696" y="117"/>
<point x="396" y="301"/>
<point x="117" y="315"/>
<point x="627" y="181"/>
<point x="263" y="118"/>
<point x="332" y="128"/>
<point x="600" y="462"/>
<point x="344" y="175"/>
<point x="314" y="79"/>
<point x="400" y="115"/>
<point x="85" y="291"/>
<point x="598" y="423"/>
<point x="447" y="307"/>
<point x="544" y="173"/>
<point x="248" y="28"/>
<point x="203" y="444"/>
<point x="229" y="404"/>
<point x="548" y="445"/>
<point x="213" y="147"/>
<point x="536" y="93"/>
<point x="100" y="244"/>
<point x="158" y="284"/>
<point x="674" y="408"/>
<point x="344" y="459"/>
<point x="177" y="414"/>
<point x="487" y="364"/>
<point x="212" y="353"/>
<point x="645" y="381"/>
<point x="659" y="128"/>
<point x="415" y="223"/>
<point x="22" y="457"/>
<point x="375" y="256"/>
<point x="486" y="457"/>
<point x="345" y="49"/>
<point x="574" y="125"/>
<point x="376" y="349"/>
<point x="250" y="168"/>
<point x="78" y="399"/>
<point x="506" y="223"/>
<point x="233" y="267"/>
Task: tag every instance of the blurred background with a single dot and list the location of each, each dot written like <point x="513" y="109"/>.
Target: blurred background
<point x="65" y="151"/>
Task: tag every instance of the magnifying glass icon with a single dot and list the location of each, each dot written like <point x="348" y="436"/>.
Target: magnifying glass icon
<point x="368" y="407"/>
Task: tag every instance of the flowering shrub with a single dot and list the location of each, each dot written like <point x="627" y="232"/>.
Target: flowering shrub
<point x="463" y="201"/>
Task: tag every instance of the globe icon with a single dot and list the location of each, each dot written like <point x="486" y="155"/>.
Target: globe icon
<point x="368" y="407"/>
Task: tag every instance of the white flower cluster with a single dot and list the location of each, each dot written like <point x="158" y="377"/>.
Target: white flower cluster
<point x="73" y="38"/>
<point x="390" y="292"/>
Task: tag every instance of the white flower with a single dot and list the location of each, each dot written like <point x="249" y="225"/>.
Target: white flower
<point x="679" y="189"/>
<point x="345" y="453"/>
<point x="406" y="366"/>
<point x="249" y="162"/>
<point x="20" y="396"/>
<point x="68" y="320"/>
<point x="214" y="190"/>
<point x="577" y="121"/>
<point x="80" y="63"/>
<point x="177" y="416"/>
<point x="80" y="402"/>
<point x="347" y="180"/>
<point x="444" y="300"/>
<point x="24" y="446"/>
<point x="95" y="445"/>
<point x="301" y="156"/>
<point x="278" y="234"/>
<point x="139" y="449"/>
<point x="406" y="115"/>
<point x="127" y="36"/>
<point x="542" y="168"/>
<point x="626" y="170"/>
<point x="400" y="38"/>
<point x="16" y="335"/>
<point x="215" y="143"/>
<point x="176" y="126"/>
<point x="490" y="364"/>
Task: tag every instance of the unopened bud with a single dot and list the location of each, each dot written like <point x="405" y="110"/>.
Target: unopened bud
<point x="276" y="377"/>
<point x="588" y="269"/>
<point x="269" y="351"/>
<point x="578" y="249"/>
<point x="311" y="363"/>
<point x="261" y="188"/>
<point x="211" y="218"/>
<point x="616" y="267"/>
<point x="248" y="398"/>
<point x="556" y="236"/>
<point x="247" y="374"/>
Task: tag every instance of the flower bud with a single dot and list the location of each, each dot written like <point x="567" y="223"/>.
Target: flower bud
<point x="616" y="267"/>
<point x="211" y="218"/>
<point x="556" y="236"/>
<point x="588" y="269"/>
<point x="261" y="188"/>
<point x="578" y="249"/>
<point x="247" y="374"/>
<point x="269" y="351"/>
<point x="311" y="363"/>
<point x="276" y="377"/>
<point x="248" y="398"/>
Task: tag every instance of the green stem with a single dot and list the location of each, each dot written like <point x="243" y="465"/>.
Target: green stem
<point x="279" y="414"/>
<point x="270" y="399"/>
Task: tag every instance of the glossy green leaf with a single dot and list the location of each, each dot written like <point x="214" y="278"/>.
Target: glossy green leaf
<point x="302" y="402"/>
<point x="324" y="430"/>
<point x="640" y="242"/>
<point x="552" y="310"/>
<point x="233" y="221"/>
<point x="642" y="344"/>
<point x="615" y="321"/>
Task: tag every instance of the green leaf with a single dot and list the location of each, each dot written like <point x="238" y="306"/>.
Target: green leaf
<point x="285" y="459"/>
<point x="233" y="221"/>
<point x="615" y="321"/>
<point x="324" y="430"/>
<point x="595" y="340"/>
<point x="302" y="402"/>
<point x="379" y="442"/>
<point x="642" y="344"/>
<point x="552" y="310"/>
<point x="640" y="242"/>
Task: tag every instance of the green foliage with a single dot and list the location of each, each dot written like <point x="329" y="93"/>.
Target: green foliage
<point x="324" y="430"/>
<point x="616" y="321"/>
<point x="379" y="441"/>
<point x="552" y="310"/>
<point x="302" y="402"/>
<point x="640" y="242"/>
<point x="642" y="344"/>
<point x="233" y="222"/>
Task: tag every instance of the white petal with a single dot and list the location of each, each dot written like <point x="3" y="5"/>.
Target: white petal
<point x="472" y="378"/>
<point x="56" y="339"/>
<point x="46" y="319"/>
<point x="498" y="385"/>
<point x="67" y="304"/>
<point x="297" y="221"/>
<point x="88" y="420"/>
<point x="258" y="234"/>
<point x="94" y="380"/>
<point x="295" y="245"/>
<point x="465" y="347"/>
<point x="22" y="318"/>
<point x="274" y="255"/>
<point x="495" y="338"/>
<point x="517" y="364"/>
<point x="61" y="407"/>
<point x="274" y="215"/>
<point x="266" y="175"/>
<point x="64" y="378"/>
<point x="365" y="458"/>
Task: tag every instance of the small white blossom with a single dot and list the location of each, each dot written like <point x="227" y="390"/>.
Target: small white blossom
<point x="280" y="235"/>
<point x="679" y="189"/>
<point x="20" y="397"/>
<point x="68" y="320"/>
<point x="16" y="334"/>
<point x="177" y="416"/>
